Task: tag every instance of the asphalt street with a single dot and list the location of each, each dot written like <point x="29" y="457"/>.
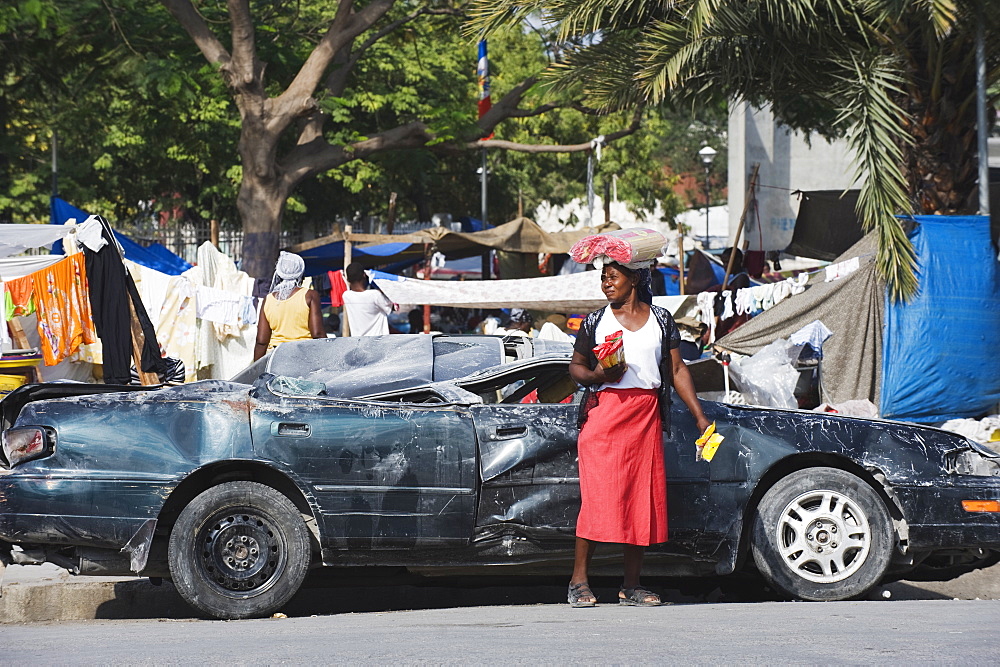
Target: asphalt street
<point x="904" y="632"/>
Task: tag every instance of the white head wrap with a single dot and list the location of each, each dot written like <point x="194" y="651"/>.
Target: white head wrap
<point x="287" y="275"/>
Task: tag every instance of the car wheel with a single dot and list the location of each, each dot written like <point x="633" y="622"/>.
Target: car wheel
<point x="239" y="550"/>
<point x="822" y="534"/>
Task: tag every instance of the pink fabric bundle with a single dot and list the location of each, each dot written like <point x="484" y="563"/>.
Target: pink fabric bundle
<point x="624" y="246"/>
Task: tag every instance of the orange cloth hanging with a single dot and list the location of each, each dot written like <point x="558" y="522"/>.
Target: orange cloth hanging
<point x="21" y="291"/>
<point x="64" y="318"/>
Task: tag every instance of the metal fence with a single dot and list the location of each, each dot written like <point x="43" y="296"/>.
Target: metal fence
<point x="184" y="237"/>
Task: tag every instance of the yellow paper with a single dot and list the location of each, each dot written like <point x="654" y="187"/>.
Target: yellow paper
<point x="708" y="443"/>
<point x="706" y="435"/>
<point x="708" y="451"/>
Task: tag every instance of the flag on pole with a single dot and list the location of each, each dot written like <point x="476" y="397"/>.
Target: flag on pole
<point x="483" y="73"/>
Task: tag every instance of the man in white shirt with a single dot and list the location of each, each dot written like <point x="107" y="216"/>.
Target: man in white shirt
<point x="367" y="310"/>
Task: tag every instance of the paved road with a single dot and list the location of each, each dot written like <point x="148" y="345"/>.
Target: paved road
<point x="903" y="632"/>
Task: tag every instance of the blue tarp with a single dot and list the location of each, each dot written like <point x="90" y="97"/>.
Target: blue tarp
<point x="155" y="256"/>
<point x="940" y="354"/>
<point x="325" y="257"/>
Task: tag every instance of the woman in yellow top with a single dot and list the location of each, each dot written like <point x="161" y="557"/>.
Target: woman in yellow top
<point x="289" y="312"/>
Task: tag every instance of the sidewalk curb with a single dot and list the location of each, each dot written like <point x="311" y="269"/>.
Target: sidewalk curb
<point x="82" y="598"/>
<point x="74" y="600"/>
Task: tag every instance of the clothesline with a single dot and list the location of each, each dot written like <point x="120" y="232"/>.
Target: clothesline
<point x="759" y="298"/>
<point x="205" y="317"/>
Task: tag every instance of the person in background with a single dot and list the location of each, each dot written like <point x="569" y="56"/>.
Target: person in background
<point x="519" y="323"/>
<point x="739" y="278"/>
<point x="624" y="411"/>
<point x="416" y="318"/>
<point x="367" y="310"/>
<point x="290" y="312"/>
<point x="332" y="323"/>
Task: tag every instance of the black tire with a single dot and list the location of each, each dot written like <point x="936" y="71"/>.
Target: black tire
<point x="216" y="550"/>
<point x="822" y="534"/>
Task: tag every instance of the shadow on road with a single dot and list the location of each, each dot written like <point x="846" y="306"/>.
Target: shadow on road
<point x="336" y="592"/>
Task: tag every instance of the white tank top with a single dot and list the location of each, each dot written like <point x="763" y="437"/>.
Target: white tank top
<point x="643" y="351"/>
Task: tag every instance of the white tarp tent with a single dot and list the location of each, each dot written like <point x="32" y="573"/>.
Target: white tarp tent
<point x="16" y="239"/>
<point x="578" y="292"/>
<point x="572" y="293"/>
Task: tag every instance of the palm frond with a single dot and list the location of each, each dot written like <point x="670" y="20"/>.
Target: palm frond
<point x="877" y="136"/>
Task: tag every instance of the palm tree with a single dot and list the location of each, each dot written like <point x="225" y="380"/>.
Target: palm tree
<point x="895" y="77"/>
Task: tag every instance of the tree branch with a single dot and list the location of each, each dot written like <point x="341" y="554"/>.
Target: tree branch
<point x="194" y="25"/>
<point x="314" y="157"/>
<point x="337" y="81"/>
<point x="245" y="46"/>
<point x="505" y="106"/>
<point x="566" y="148"/>
<point x="345" y="27"/>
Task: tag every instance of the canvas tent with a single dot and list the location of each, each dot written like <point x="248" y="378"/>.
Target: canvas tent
<point x="520" y="235"/>
<point x="926" y="360"/>
<point x="827" y="224"/>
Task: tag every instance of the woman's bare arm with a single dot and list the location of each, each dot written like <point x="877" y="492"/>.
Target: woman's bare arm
<point x="315" y="315"/>
<point x="581" y="372"/>
<point x="684" y="386"/>
<point x="263" y="336"/>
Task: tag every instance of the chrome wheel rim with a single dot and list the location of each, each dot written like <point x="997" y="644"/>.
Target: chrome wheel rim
<point x="823" y="536"/>
<point x="241" y="553"/>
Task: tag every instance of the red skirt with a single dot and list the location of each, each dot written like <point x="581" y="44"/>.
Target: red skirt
<point x="623" y="484"/>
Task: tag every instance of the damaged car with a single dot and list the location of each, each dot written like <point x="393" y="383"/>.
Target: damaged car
<point x="457" y="454"/>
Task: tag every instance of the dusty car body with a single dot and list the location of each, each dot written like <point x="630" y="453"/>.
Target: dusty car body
<point x="455" y="453"/>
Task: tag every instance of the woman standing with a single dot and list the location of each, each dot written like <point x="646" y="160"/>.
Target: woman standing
<point x="625" y="410"/>
<point x="289" y="312"/>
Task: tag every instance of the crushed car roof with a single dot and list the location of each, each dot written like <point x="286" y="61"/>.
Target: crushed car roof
<point x="363" y="365"/>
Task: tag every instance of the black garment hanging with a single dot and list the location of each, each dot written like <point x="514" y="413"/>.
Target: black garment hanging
<point x="111" y="287"/>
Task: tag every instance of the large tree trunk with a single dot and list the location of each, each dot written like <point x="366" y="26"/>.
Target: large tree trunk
<point x="264" y="189"/>
<point x="261" y="205"/>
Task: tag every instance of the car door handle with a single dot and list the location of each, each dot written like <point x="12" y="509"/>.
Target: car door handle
<point x="291" y="429"/>
<point x="508" y="432"/>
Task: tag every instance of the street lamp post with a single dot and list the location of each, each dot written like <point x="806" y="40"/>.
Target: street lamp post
<point x="707" y="155"/>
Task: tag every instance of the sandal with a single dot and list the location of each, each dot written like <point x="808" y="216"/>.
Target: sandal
<point x="638" y="597"/>
<point x="577" y="593"/>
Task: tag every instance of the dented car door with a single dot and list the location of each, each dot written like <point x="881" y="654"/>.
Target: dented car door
<point x="385" y="475"/>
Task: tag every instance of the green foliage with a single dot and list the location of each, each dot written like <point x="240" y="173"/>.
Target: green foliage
<point x="145" y="124"/>
<point x="135" y="122"/>
<point x="893" y="76"/>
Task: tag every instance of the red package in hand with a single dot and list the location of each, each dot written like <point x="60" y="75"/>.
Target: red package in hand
<point x="611" y="352"/>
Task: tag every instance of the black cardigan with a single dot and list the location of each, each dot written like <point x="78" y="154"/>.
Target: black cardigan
<point x="585" y="344"/>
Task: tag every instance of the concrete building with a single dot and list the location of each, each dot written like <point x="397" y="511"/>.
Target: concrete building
<point x="791" y="161"/>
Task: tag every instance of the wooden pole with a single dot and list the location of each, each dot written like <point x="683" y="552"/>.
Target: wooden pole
<point x="680" y="256"/>
<point x="344" y="323"/>
<point x="427" y="276"/>
<point x="607" y="202"/>
<point x="34" y="374"/>
<point x="391" y="222"/>
<point x="751" y="194"/>
<point x="213" y="232"/>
